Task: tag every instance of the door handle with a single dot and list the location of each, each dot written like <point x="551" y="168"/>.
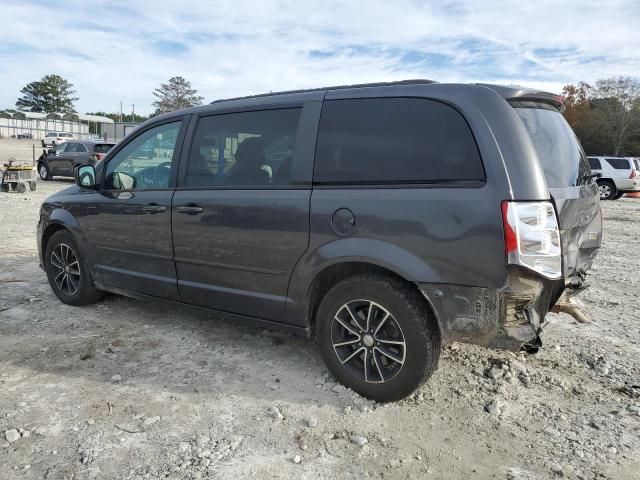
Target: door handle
<point x="189" y="209"/>
<point x="154" y="208"/>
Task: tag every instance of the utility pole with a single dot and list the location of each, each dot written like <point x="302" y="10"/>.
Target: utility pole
<point x="120" y="111"/>
<point x="133" y="112"/>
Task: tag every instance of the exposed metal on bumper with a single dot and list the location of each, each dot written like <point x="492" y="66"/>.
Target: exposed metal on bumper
<point x="504" y="318"/>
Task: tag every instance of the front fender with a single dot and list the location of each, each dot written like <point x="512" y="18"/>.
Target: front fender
<point x="346" y="250"/>
<point x="71" y="221"/>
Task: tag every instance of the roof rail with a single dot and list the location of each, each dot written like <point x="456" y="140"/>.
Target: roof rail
<point x="418" y="81"/>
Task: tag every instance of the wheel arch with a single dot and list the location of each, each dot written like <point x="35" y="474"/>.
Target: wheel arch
<point x="62" y="219"/>
<point x="332" y="274"/>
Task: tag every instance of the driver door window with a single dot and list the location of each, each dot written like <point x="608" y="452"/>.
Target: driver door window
<point x="145" y="162"/>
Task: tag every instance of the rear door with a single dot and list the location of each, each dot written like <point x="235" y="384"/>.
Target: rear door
<point x="571" y="184"/>
<point x="240" y="213"/>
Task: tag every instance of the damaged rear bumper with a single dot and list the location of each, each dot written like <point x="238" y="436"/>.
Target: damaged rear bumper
<point x="505" y="318"/>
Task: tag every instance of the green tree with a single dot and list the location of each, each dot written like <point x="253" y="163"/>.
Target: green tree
<point x="50" y="94"/>
<point x="619" y="101"/>
<point x="175" y="95"/>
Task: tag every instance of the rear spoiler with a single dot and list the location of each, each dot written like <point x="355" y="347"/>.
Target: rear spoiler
<point x="515" y="93"/>
<point x="543" y="97"/>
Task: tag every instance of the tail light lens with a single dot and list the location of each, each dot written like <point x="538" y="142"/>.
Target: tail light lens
<point x="532" y="237"/>
<point x="634" y="173"/>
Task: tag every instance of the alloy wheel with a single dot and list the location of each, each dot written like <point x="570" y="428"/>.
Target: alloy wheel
<point x="44" y="173"/>
<point x="368" y="341"/>
<point x="605" y="191"/>
<point x="66" y="269"/>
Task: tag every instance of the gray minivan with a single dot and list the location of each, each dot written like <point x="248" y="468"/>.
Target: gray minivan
<point x="383" y="218"/>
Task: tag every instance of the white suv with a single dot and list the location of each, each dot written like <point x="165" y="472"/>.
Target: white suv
<point x="52" y="139"/>
<point x="619" y="175"/>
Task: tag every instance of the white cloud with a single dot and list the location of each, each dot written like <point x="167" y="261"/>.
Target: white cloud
<point x="113" y="50"/>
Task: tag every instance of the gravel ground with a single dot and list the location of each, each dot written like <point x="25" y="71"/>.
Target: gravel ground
<point x="125" y="389"/>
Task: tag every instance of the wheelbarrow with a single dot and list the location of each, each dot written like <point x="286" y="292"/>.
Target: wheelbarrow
<point x="16" y="177"/>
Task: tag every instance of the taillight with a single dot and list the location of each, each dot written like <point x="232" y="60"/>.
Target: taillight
<point x="634" y="174"/>
<point x="532" y="237"/>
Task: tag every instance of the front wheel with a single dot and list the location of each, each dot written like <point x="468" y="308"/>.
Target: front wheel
<point x="378" y="337"/>
<point x="67" y="272"/>
<point x="43" y="171"/>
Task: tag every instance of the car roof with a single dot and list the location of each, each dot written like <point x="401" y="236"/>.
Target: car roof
<point x="512" y="93"/>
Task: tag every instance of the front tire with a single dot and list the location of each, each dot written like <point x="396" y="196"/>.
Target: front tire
<point x="377" y="336"/>
<point x="43" y="171"/>
<point x="67" y="272"/>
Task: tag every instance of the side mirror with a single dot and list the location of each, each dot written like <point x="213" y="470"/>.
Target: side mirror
<point x="86" y="176"/>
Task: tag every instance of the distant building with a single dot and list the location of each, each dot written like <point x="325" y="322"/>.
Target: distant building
<point x="118" y="130"/>
<point x="16" y="123"/>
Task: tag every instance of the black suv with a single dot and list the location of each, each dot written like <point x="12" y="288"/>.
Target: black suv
<point x="383" y="218"/>
<point x="62" y="159"/>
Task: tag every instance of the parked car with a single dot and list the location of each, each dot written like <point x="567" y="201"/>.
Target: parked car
<point x="51" y="139"/>
<point x="62" y="159"/>
<point x="618" y="175"/>
<point x="396" y="217"/>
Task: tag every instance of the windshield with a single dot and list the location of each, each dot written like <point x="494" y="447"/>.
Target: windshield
<point x="559" y="151"/>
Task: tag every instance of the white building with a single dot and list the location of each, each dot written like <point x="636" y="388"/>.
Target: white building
<point x="14" y="123"/>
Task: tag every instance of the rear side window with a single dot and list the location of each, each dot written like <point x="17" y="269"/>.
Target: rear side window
<point x="394" y="140"/>
<point x="243" y="150"/>
<point x="619" y="163"/>
<point x="558" y="149"/>
<point x="102" y="147"/>
<point x="594" y="163"/>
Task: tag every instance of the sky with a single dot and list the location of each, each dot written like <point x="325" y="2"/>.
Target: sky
<point x="116" y="50"/>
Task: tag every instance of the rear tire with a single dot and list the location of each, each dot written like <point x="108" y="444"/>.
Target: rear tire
<point x="32" y="186"/>
<point x="67" y="272"/>
<point x="607" y="189"/>
<point x="21" y="187"/>
<point x="377" y="336"/>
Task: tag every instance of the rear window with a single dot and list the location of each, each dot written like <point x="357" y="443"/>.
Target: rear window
<point x="102" y="147"/>
<point x="594" y="163"/>
<point x="558" y="149"/>
<point x="394" y="140"/>
<point x="619" y="163"/>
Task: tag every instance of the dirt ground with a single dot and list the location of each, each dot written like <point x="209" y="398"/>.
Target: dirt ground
<point x="128" y="390"/>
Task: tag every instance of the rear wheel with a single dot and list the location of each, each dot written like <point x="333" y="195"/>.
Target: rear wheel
<point x="607" y="189"/>
<point x="21" y="187"/>
<point x="378" y="337"/>
<point x="67" y="272"/>
<point x="32" y="186"/>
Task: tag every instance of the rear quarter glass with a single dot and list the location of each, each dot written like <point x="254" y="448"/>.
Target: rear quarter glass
<point x="619" y="163"/>
<point x="561" y="156"/>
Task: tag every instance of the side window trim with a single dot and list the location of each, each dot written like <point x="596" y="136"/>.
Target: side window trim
<point x="113" y="152"/>
<point x="302" y="165"/>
